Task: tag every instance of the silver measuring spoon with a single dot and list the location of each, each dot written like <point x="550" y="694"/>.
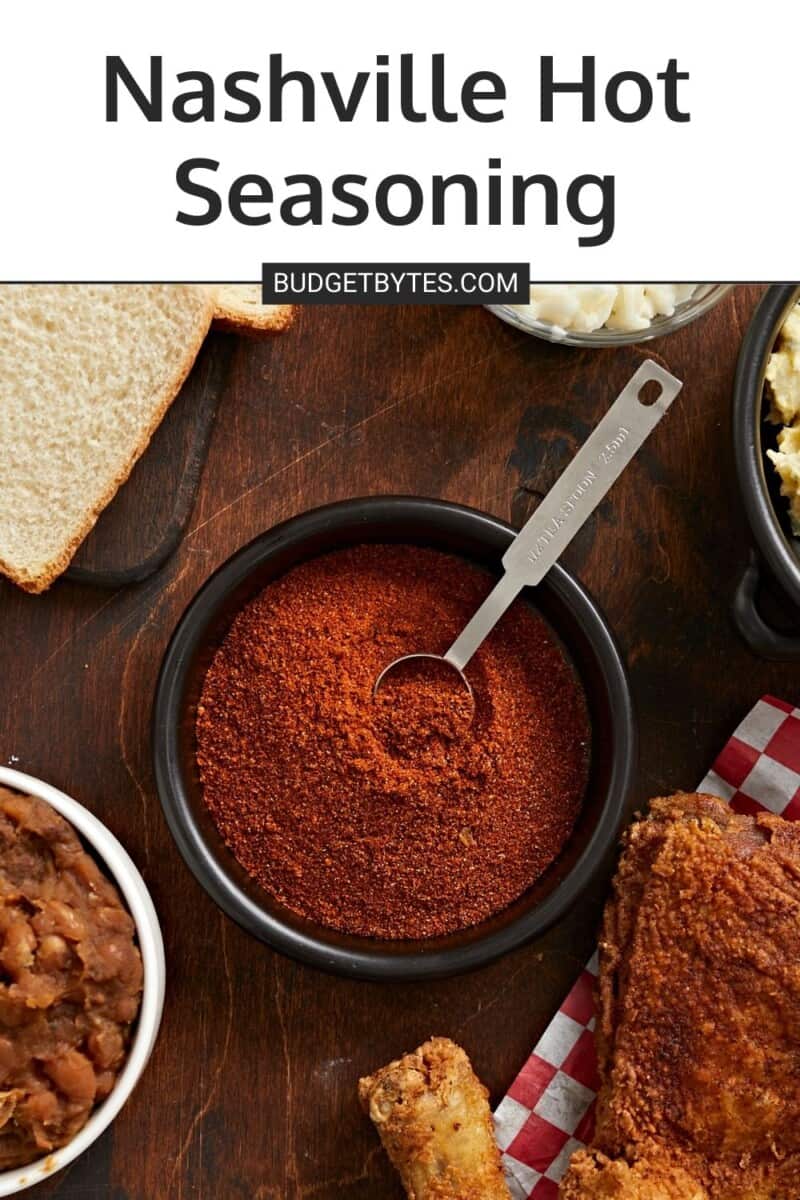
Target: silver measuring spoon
<point x="598" y="464"/>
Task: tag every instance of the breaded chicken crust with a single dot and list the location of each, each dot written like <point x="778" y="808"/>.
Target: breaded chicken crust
<point x="698" y="1031"/>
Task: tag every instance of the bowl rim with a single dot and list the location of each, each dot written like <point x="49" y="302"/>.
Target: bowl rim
<point x="661" y="326"/>
<point x="368" y="963"/>
<point x="124" y="873"/>
<point x="748" y="394"/>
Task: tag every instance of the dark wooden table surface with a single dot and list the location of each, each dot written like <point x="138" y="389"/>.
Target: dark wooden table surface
<point x="250" y="1094"/>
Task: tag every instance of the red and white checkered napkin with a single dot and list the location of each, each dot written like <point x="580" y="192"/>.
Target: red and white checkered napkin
<point x="549" y="1109"/>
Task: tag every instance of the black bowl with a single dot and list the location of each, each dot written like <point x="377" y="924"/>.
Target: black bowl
<point x="482" y="539"/>
<point x="767" y="510"/>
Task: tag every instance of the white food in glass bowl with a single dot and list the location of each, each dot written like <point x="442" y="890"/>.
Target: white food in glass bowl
<point x="586" y="307"/>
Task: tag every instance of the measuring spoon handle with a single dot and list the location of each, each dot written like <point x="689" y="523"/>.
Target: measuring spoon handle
<point x="576" y="494"/>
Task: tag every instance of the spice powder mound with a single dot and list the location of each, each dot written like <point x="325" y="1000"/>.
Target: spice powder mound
<point x="399" y="815"/>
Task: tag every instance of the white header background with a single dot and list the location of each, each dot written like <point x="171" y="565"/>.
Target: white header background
<point x="715" y="199"/>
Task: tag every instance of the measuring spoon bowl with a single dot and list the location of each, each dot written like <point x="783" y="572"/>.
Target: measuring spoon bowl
<point x="439" y="659"/>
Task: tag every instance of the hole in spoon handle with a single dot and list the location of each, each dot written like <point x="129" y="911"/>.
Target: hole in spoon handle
<point x="651" y="382"/>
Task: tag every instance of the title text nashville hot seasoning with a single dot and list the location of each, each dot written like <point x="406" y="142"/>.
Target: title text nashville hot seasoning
<point x="398" y="815"/>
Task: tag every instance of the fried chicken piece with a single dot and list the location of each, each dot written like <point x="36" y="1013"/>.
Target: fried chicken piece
<point x="432" y="1114"/>
<point x="592" y="1174"/>
<point x="699" y="1025"/>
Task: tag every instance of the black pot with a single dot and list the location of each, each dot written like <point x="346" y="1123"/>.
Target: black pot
<point x="767" y="510"/>
<point x="476" y="536"/>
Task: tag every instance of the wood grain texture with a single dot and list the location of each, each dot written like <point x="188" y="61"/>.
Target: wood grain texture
<point x="251" y="1091"/>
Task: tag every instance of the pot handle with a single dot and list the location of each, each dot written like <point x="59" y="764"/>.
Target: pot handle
<point x="760" y="637"/>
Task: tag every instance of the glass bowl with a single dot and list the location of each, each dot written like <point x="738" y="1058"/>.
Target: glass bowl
<point x="706" y="296"/>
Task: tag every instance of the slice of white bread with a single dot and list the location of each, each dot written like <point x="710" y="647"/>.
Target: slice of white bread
<point x="87" y="371"/>
<point x="239" y="310"/>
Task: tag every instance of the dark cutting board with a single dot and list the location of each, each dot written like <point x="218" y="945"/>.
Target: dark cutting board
<point x="144" y="524"/>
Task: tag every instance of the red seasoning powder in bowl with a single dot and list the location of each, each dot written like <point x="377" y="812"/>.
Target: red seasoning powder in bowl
<point x="399" y="815"/>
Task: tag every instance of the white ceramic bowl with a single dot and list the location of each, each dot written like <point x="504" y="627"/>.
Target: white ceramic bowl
<point x="124" y="874"/>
